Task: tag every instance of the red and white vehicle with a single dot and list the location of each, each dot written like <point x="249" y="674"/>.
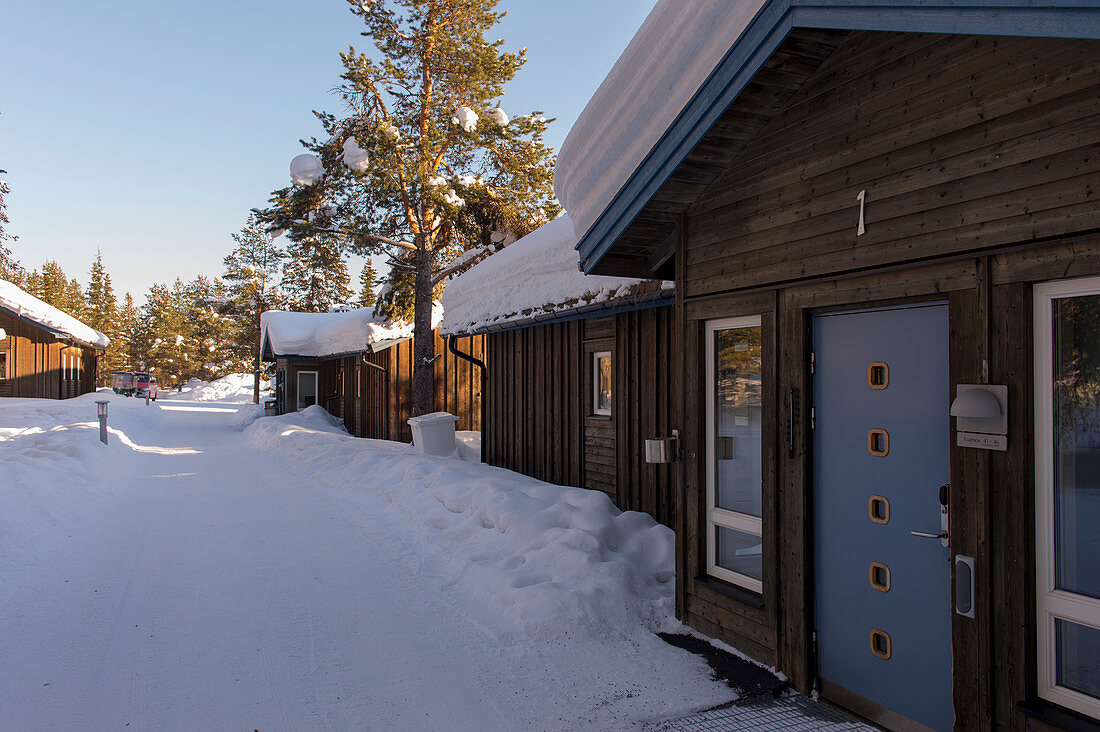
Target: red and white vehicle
<point x="145" y="383"/>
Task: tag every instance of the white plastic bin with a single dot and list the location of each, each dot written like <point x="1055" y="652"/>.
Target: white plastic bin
<point x="434" y="434"/>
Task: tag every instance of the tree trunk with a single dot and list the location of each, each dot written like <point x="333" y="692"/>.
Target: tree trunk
<point x="423" y="397"/>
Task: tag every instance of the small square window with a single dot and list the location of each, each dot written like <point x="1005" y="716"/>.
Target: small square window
<point x="601" y="383"/>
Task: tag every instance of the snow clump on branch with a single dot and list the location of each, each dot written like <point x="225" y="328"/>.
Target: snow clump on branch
<point x="468" y="181"/>
<point x="453" y="198"/>
<point x="498" y="116"/>
<point x="355" y="157"/>
<point x="389" y="131"/>
<point x="306" y="169"/>
<point x="438" y="181"/>
<point x="465" y="118"/>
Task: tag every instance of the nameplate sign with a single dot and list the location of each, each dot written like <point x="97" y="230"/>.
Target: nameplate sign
<point x="982" y="442"/>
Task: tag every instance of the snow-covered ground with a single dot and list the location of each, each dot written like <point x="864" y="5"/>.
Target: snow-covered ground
<point x="209" y="569"/>
<point x="235" y="388"/>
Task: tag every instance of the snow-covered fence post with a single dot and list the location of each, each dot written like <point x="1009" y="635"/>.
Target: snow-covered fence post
<point x="101" y="411"/>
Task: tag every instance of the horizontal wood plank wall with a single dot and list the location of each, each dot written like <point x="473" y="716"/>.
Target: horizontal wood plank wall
<point x="600" y="449"/>
<point x="960" y="142"/>
<point x="533" y="402"/>
<point x="979" y="160"/>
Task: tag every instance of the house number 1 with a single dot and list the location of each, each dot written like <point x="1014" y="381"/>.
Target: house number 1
<point x="862" y="198"/>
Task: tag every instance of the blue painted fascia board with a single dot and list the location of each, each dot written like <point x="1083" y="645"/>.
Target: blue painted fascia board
<point x="764" y="34"/>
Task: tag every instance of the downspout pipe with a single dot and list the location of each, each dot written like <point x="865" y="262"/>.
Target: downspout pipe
<point x="452" y="346"/>
<point x="386" y="388"/>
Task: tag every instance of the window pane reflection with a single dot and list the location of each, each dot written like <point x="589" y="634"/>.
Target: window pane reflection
<point x="603" y="392"/>
<point x="1078" y="648"/>
<point x="737" y="412"/>
<point x="1076" y="400"/>
<point x="739" y="552"/>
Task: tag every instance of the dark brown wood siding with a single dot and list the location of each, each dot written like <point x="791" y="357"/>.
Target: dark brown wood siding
<point x="40" y="366"/>
<point x="960" y="142"/>
<point x="979" y="161"/>
<point x="539" y="412"/>
<point x="358" y="393"/>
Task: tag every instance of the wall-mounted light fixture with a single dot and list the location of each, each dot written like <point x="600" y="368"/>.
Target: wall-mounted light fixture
<point x="981" y="416"/>
<point x="660" y="450"/>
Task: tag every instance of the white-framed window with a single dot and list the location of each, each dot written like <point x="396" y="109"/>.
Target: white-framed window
<point x="1067" y="492"/>
<point x="307" y="389"/>
<point x="601" y="383"/>
<point x="734" y="529"/>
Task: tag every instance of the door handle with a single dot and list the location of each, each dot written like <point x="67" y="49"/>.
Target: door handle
<point x="929" y="535"/>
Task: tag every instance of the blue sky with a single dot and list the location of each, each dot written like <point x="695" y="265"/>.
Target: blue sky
<point x="149" y="129"/>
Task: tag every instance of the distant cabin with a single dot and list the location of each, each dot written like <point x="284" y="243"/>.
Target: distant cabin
<point x="44" y="352"/>
<point x="359" y="366"/>
<point x="577" y="371"/>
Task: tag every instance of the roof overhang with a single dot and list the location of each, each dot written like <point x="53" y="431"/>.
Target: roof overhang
<point x="55" y="332"/>
<point x="635" y="233"/>
<point x="656" y="299"/>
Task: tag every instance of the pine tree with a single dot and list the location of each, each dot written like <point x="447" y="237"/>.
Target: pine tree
<point x="426" y="162"/>
<point x="101" y="313"/>
<point x="250" y="273"/>
<point x="368" y="277"/>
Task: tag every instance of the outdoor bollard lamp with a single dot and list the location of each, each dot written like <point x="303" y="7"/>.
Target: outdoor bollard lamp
<point x="101" y="412"/>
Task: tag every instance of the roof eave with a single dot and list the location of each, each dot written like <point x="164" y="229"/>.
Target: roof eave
<point x="763" y="36"/>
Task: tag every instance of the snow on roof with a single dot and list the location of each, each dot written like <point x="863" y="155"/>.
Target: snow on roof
<point x="320" y="335"/>
<point x="534" y="276"/>
<point x="672" y="54"/>
<point x="27" y="306"/>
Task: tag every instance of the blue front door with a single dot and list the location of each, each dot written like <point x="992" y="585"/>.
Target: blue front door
<point x="880" y="457"/>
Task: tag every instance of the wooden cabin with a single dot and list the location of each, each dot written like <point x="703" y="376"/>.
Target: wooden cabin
<point x="882" y="223"/>
<point x="576" y="368"/>
<point x="44" y="352"/>
<point x="359" y="368"/>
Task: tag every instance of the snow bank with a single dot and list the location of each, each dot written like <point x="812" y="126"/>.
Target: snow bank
<point x="30" y="307"/>
<point x="52" y="464"/>
<point x="536" y="275"/>
<point x="329" y="334"/>
<point x="548" y="560"/>
<point x="669" y="58"/>
<point x="232" y="388"/>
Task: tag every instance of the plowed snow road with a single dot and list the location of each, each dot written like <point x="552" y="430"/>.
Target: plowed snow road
<point x="212" y="586"/>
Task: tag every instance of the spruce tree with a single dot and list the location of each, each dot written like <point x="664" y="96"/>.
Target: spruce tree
<point x="101" y="313"/>
<point x="9" y="268"/>
<point x="74" y="299"/>
<point x="251" y="270"/>
<point x="425" y="162"/>
<point x="368" y="277"/>
<point x="51" y="285"/>
<point x="129" y="326"/>
<point x="315" y="276"/>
